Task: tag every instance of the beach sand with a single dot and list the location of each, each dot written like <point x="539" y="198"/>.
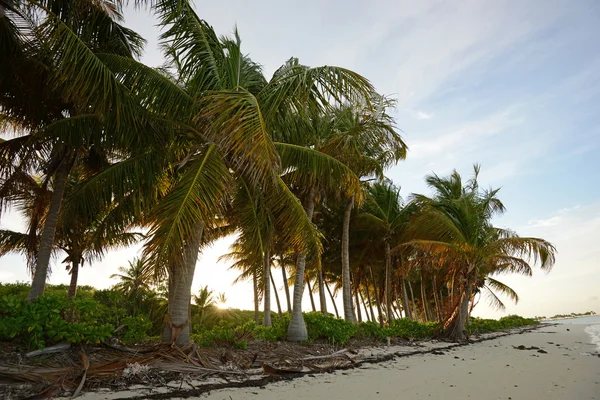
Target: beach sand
<point x="491" y="369"/>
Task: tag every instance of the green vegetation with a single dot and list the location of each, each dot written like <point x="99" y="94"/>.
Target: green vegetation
<point x="481" y="325"/>
<point x="206" y="146"/>
<point x="92" y="318"/>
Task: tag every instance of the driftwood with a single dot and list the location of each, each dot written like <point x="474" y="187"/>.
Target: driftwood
<point x="57" y="348"/>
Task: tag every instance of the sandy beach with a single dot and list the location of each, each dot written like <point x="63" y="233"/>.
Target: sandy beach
<point x="551" y="362"/>
<point x="495" y="369"/>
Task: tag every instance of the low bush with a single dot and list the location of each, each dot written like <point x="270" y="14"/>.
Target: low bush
<point x="482" y="325"/>
<point x="51" y="319"/>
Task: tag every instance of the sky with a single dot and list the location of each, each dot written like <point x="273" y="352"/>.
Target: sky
<point x="511" y="85"/>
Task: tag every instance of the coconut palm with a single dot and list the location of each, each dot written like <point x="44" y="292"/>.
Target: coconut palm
<point x="454" y="229"/>
<point x="50" y="45"/>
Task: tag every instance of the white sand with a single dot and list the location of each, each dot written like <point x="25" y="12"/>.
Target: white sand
<point x="486" y="370"/>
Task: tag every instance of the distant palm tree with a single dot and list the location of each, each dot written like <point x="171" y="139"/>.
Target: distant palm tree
<point x="133" y="279"/>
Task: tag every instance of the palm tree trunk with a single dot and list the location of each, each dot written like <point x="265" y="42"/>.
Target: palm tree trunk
<point x="322" y="298"/>
<point x="285" y="284"/>
<point x="407" y="309"/>
<point x="74" y="276"/>
<point x="255" y="286"/>
<point x="365" y="306"/>
<point x="424" y="300"/>
<point x="456" y="328"/>
<point x="377" y="299"/>
<point x="297" y="329"/>
<point x="276" y="294"/>
<point x="358" y="313"/>
<point x="346" y="289"/>
<point x="177" y="330"/>
<point x="414" y="305"/>
<point x="310" y="294"/>
<point x="388" y="282"/>
<point x="38" y="283"/>
<point x="371" y="305"/>
<point x="267" y="292"/>
<point x="337" y="315"/>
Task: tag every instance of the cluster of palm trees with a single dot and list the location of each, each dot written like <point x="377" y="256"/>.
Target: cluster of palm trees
<point x="206" y="146"/>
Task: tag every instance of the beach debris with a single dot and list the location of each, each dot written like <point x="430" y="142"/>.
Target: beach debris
<point x="57" y="348"/>
<point x="135" y="370"/>
<point x="542" y="351"/>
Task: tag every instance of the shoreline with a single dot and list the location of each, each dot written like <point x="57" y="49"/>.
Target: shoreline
<point x="370" y="358"/>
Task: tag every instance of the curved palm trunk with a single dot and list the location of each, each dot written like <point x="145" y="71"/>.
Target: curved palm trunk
<point x="177" y="330"/>
<point x="74" y="276"/>
<point x="285" y="284"/>
<point x="337" y="314"/>
<point x="255" y="286"/>
<point x="38" y="283"/>
<point x="346" y="289"/>
<point x="377" y="299"/>
<point x="310" y="294"/>
<point x="297" y="329"/>
<point x="276" y="294"/>
<point x="267" y="293"/>
<point x="388" y="283"/>
<point x="322" y="298"/>
<point x="456" y="327"/>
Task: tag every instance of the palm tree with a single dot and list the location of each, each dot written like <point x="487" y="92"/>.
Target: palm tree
<point x="223" y="111"/>
<point x="364" y="139"/>
<point x="133" y="279"/>
<point x="56" y="42"/>
<point x="454" y="230"/>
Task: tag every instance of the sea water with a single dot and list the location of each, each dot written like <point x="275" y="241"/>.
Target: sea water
<point x="592" y="329"/>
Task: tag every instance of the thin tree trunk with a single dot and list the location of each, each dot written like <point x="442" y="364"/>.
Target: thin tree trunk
<point x="276" y="295"/>
<point x="310" y="294"/>
<point x="364" y="305"/>
<point x="370" y="305"/>
<point x="414" y="305"/>
<point x="407" y="309"/>
<point x="59" y="183"/>
<point x="346" y="288"/>
<point x="438" y="308"/>
<point x="177" y="330"/>
<point x="388" y="282"/>
<point x="285" y="284"/>
<point x="256" y="306"/>
<point x="358" y="313"/>
<point x="322" y="298"/>
<point x="377" y="298"/>
<point x="297" y="329"/>
<point x="399" y="305"/>
<point x="424" y="300"/>
<point x="337" y="315"/>
<point x="74" y="276"/>
<point x="267" y="290"/>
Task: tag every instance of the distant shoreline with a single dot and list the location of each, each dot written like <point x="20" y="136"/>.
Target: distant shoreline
<point x="567" y="318"/>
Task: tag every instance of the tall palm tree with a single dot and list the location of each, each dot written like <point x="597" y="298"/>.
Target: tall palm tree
<point x="454" y="229"/>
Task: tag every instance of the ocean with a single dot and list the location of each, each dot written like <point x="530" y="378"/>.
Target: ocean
<point x="593" y="328"/>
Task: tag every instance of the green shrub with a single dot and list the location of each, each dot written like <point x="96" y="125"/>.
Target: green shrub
<point x="136" y="329"/>
<point x="51" y="319"/>
<point x="482" y="325"/>
<point x="334" y="330"/>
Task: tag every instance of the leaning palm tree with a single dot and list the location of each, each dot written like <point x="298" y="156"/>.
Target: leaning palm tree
<point x="454" y="229"/>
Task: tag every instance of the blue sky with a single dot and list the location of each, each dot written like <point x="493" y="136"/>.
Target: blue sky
<point x="512" y="85"/>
